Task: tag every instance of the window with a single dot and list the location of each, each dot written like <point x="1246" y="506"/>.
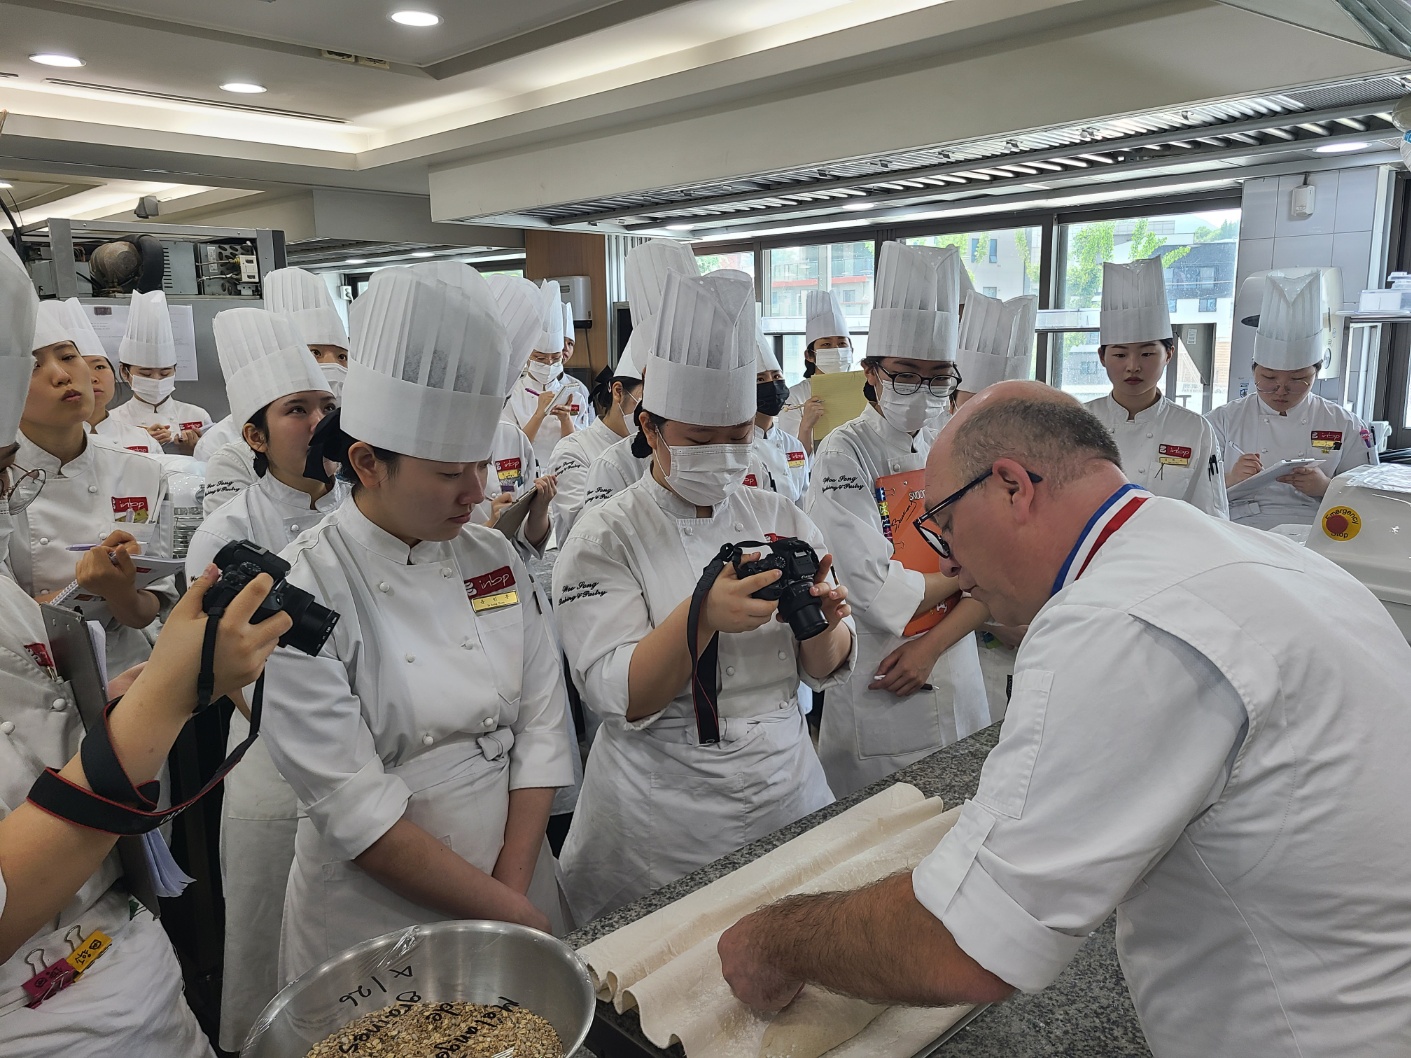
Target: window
<point x="1012" y="267"/>
<point x="990" y="292"/>
<point x="742" y="260"/>
<point x="994" y="251"/>
<point x="1198" y="257"/>
<point x="845" y="268"/>
<point x="974" y="248"/>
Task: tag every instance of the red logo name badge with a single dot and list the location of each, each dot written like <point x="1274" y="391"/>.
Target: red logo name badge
<point x="491" y="583"/>
<point x="40" y="653"/>
<point x="189" y="426"/>
<point x="751" y="481"/>
<point x="135" y="505"/>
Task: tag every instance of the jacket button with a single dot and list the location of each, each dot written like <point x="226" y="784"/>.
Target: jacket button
<point x="293" y="528"/>
<point x="384" y="587"/>
<point x="427" y="740"/>
<point x="43" y="540"/>
<point x="729" y="670"/>
<point x="489" y="723"/>
<point x="1150" y="435"/>
<point x="445" y="572"/>
<point x="57" y="704"/>
<point x="92" y="488"/>
<point x="739" y="527"/>
<point x="468" y="644"/>
<point x="411" y="658"/>
<point x="7" y="728"/>
<point x="783" y="655"/>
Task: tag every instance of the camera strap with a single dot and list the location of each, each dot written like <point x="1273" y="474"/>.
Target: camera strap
<point x="705" y="664"/>
<point x="114" y="804"/>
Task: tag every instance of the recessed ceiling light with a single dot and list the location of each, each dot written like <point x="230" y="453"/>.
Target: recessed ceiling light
<point x="424" y="253"/>
<point x="5" y="185"/>
<point x="355" y="261"/>
<point x="246" y="88"/>
<point x="1338" y="148"/>
<point x="54" y="59"/>
<point x="679" y="227"/>
<point x="420" y="19"/>
<point x="859" y="206"/>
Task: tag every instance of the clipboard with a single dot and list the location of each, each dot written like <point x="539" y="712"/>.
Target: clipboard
<point x="1255" y="482"/>
<point x="76" y="661"/>
<point x="842" y="397"/>
<point x="513" y="516"/>
<point x="901" y="499"/>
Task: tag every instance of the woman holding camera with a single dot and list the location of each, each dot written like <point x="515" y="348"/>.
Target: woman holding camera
<point x="61" y="882"/>
<point x="672" y="782"/>
<point x="278" y="394"/>
<point x="426" y="740"/>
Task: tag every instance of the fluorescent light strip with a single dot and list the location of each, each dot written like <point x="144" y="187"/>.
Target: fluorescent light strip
<point x="220" y="104"/>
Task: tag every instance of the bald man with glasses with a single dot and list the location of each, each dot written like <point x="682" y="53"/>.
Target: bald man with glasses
<point x="1208" y="734"/>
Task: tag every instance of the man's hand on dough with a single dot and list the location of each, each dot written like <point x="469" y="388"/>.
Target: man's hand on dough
<point x="754" y="982"/>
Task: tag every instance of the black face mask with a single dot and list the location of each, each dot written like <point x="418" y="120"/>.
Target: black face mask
<point x="869" y="393"/>
<point x="809" y="369"/>
<point x="770" y="397"/>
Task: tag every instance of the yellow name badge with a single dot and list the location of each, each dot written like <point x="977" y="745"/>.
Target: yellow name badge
<point x="89" y="950"/>
<point x="494" y="602"/>
<point x="1174" y="461"/>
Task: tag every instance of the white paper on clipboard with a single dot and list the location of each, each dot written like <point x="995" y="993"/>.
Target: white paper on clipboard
<point x="1268" y="475"/>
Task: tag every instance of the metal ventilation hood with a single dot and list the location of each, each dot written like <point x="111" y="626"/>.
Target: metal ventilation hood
<point x="1381" y="24"/>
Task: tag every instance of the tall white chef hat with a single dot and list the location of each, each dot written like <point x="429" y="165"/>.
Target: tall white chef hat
<point x="916" y="302"/>
<point x="148" y="340"/>
<point x="1134" y="305"/>
<point x="765" y="360"/>
<point x="996" y="340"/>
<point x="304" y="297"/>
<point x="19" y="305"/>
<point x="67" y="321"/>
<point x="824" y="314"/>
<point x="427" y="371"/>
<point x="568" y="323"/>
<point x="647" y="267"/>
<point x="551" y="336"/>
<point x="634" y="352"/>
<point x="263" y="357"/>
<point x="1290" y="334"/>
<point x="702" y="368"/>
<point x="522" y="312"/>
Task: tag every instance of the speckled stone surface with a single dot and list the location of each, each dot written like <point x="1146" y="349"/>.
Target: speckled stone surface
<point x="1086" y="1013"/>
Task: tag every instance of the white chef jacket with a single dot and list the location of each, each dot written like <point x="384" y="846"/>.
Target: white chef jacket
<point x="216" y="438"/>
<point x="82" y="502"/>
<point x="613" y="471"/>
<point x="791" y="418"/>
<point x="1208" y="732"/>
<point x="413" y="692"/>
<point x="521" y="405"/>
<point x="171" y="412"/>
<point x="655" y="803"/>
<point x="868" y="734"/>
<point x="779" y="464"/>
<point x="259" y="809"/>
<point x="133" y="993"/>
<point x="134" y="438"/>
<point x="229" y="472"/>
<point x="571" y="459"/>
<point x="1170" y="451"/>
<point x="1316" y="428"/>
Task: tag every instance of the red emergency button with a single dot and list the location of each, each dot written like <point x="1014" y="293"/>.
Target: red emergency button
<point x="1336" y="524"/>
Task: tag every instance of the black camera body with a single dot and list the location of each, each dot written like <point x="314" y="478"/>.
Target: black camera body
<point x="798" y="565"/>
<point x="240" y="562"/>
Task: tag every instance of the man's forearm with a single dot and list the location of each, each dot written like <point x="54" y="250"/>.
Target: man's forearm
<point x="877" y="943"/>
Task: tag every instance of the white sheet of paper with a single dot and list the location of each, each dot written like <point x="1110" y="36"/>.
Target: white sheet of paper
<point x="1266" y="476"/>
<point x="110" y="321"/>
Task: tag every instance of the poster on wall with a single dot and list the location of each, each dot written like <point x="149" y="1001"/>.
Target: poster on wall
<point x="110" y="321"/>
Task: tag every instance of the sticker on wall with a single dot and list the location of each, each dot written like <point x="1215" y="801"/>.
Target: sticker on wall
<point x="1342" y="523"/>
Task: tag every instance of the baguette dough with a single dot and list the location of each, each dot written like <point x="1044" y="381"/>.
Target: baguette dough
<point x="816" y="1022"/>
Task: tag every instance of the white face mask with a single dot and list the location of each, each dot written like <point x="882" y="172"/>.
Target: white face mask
<point x="336" y="375"/>
<point x="833" y="361"/>
<point x="911" y="413"/>
<point x="544" y="374"/>
<point x="152" y="390"/>
<point x="706" y="474"/>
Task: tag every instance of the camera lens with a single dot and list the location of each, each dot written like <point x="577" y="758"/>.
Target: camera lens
<point x="313" y="622"/>
<point x="802" y="610"/>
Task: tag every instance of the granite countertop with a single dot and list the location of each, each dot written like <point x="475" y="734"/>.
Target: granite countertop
<point x="1086" y="1013"/>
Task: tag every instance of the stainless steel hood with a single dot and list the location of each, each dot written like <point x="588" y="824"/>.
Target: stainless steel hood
<point x="1381" y="24"/>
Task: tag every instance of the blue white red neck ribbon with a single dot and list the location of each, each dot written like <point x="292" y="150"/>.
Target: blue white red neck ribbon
<point x="1106" y="520"/>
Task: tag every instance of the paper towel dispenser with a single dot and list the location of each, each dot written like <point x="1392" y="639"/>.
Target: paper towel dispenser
<point x="577" y="292"/>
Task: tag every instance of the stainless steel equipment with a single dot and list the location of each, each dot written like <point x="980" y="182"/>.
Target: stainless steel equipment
<point x="473" y="962"/>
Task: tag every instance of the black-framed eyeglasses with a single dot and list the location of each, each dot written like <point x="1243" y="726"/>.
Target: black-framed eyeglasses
<point x="19" y="487"/>
<point x="932" y="533"/>
<point x="908" y="382"/>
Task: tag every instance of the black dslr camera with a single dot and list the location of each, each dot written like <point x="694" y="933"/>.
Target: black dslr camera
<point x="241" y="562"/>
<point x="798" y="565"/>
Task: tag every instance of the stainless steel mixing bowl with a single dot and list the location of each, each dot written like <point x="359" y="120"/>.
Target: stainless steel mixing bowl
<point x="473" y="962"/>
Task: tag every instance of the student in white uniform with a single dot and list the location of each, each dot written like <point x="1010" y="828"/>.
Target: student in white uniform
<point x="147" y="355"/>
<point x="1208" y="734"/>
<point x="1167" y="449"/>
<point x="908" y="696"/>
<point x="829" y="351"/>
<point x="672" y="784"/>
<point x="61" y="880"/>
<point x="279" y="395"/>
<point x="545" y="403"/>
<point x="96" y="496"/>
<point x="426" y="741"/>
<point x="779" y="461"/>
<point x="616" y="397"/>
<point x="1283" y="418"/>
<point x="72" y="318"/>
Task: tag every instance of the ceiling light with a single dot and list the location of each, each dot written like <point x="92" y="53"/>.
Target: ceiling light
<point x="420" y="19"/>
<point x="1338" y="148"/>
<point x="424" y="253"/>
<point x="5" y="185"/>
<point x="54" y="59"/>
<point x="859" y="206"/>
<point x="679" y="227"/>
<point x="243" y="88"/>
<point x="355" y="261"/>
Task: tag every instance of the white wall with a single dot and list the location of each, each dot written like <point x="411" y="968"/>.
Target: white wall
<point x="1347" y="229"/>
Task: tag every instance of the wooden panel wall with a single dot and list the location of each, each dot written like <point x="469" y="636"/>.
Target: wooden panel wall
<point x="565" y="253"/>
